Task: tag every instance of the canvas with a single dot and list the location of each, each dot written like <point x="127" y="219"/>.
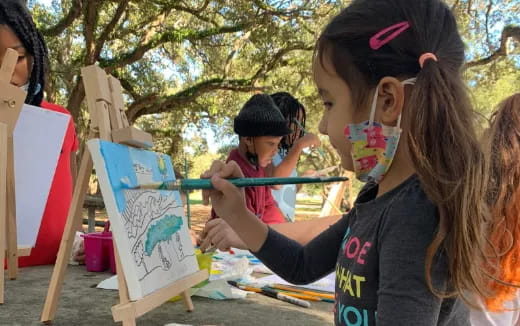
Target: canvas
<point x="149" y="226"/>
<point x="38" y="139"/>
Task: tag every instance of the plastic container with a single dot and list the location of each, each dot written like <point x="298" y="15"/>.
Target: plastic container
<point x="204" y="260"/>
<point x="99" y="251"/>
<point x="96" y="259"/>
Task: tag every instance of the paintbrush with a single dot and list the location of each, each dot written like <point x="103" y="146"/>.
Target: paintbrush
<point x="196" y="184"/>
<point x="273" y="294"/>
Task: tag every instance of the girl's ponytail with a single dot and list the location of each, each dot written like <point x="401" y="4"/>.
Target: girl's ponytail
<point x="451" y="166"/>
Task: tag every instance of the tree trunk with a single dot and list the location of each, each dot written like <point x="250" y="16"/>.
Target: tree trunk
<point x="76" y="98"/>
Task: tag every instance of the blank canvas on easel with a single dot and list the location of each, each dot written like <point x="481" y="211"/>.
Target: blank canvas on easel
<point x="149" y="226"/>
<point x="38" y="139"/>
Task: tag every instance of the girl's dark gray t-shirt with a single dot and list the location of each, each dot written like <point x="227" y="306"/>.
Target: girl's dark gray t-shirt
<point x="378" y="252"/>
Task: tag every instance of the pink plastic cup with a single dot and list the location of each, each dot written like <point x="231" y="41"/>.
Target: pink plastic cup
<point x="96" y="260"/>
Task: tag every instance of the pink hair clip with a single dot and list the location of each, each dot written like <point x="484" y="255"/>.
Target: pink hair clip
<point x="376" y="42"/>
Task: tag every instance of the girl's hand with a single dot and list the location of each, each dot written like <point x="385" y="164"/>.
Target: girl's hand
<point x="219" y="235"/>
<point x="227" y="200"/>
<point x="308" y="140"/>
<point x="229" y="203"/>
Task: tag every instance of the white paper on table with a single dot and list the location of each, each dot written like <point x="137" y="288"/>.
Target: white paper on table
<point x="38" y="140"/>
<point x="220" y="290"/>
<point x="238" y="269"/>
<point x="326" y="284"/>
<point x="109" y="284"/>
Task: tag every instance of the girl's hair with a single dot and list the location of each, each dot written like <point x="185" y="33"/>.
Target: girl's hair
<point x="503" y="140"/>
<point x="438" y="118"/>
<point x="15" y="15"/>
<point x="289" y="106"/>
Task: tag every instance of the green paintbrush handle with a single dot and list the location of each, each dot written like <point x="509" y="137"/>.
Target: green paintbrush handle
<point x="193" y="184"/>
<point x="196" y="184"/>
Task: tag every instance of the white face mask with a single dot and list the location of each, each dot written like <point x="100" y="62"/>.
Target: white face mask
<point x="25" y="88"/>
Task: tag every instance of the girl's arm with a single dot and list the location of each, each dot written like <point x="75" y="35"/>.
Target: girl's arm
<point x="217" y="233"/>
<point x="290" y="260"/>
<point x="304" y="231"/>
<point x="299" y="264"/>
<point x="288" y="164"/>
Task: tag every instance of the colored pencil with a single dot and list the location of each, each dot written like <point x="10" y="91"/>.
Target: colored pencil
<point x="195" y="184"/>
<point x="312" y="293"/>
<point x="273" y="294"/>
<point x="305" y="296"/>
<point x="294" y="295"/>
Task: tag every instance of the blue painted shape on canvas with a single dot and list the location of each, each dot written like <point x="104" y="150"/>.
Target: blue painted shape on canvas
<point x="162" y="230"/>
<point x="130" y="167"/>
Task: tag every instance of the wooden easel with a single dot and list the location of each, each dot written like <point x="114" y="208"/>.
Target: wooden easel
<point x="3" y="202"/>
<point x="109" y="122"/>
<point x="333" y="200"/>
<point x="11" y="101"/>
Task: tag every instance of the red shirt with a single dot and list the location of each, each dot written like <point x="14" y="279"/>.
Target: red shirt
<point x="58" y="202"/>
<point x="258" y="199"/>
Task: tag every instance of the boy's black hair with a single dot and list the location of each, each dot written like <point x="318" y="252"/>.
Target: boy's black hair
<point x="260" y="117"/>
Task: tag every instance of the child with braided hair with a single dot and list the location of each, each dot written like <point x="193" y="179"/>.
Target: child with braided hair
<point x="289" y="151"/>
<point x="18" y="32"/>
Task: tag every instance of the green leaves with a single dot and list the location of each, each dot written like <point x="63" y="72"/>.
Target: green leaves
<point x="196" y="62"/>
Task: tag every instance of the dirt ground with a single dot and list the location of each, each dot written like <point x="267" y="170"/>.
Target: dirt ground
<point x="81" y="304"/>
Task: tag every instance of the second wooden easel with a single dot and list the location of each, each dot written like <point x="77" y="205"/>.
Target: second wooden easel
<point x="3" y="202"/>
<point x="11" y="101"/>
<point x="108" y="122"/>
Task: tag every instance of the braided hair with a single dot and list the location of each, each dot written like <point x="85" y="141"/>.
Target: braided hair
<point x="289" y="106"/>
<point x="16" y="16"/>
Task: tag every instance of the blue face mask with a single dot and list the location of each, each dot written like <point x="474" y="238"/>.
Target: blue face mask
<point x="25" y="88"/>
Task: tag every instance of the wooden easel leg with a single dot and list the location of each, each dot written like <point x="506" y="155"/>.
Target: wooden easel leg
<point x="73" y="222"/>
<point x="123" y="289"/>
<point x="3" y="208"/>
<point x="121" y="280"/>
<point x="129" y="322"/>
<point x="187" y="300"/>
<point x="12" y="244"/>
